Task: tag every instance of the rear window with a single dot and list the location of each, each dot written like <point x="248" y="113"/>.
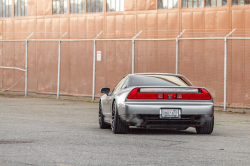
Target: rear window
<point x="155" y="80"/>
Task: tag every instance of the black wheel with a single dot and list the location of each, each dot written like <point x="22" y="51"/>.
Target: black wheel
<point x="102" y="124"/>
<point x="118" y="127"/>
<point x="207" y="128"/>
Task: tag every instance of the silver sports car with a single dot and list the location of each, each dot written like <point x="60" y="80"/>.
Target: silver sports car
<point x="155" y="101"/>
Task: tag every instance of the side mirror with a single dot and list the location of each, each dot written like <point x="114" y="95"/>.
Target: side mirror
<point x="105" y="90"/>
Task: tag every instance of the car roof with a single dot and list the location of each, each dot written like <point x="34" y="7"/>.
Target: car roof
<point x="168" y="74"/>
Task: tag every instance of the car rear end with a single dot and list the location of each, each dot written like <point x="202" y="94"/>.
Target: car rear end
<point x="168" y="107"/>
<point x="166" y="101"/>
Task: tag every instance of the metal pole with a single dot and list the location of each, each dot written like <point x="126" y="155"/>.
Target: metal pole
<point x="59" y="70"/>
<point x="177" y="55"/>
<point x="59" y="66"/>
<point x="177" y="52"/>
<point x="133" y="56"/>
<point x="225" y="71"/>
<point x="93" y="87"/>
<point x="26" y="70"/>
<point x="26" y="65"/>
<point x="225" y="76"/>
<point x="133" y="51"/>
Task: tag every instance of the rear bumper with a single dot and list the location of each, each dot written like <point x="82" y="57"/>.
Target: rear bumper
<point x="148" y="113"/>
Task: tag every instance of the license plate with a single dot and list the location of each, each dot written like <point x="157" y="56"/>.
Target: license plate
<point x="170" y="113"/>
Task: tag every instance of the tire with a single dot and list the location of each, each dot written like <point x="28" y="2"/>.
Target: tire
<point x="102" y="124"/>
<point x="117" y="126"/>
<point x="207" y="128"/>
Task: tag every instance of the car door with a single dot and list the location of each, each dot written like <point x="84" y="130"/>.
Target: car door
<point x="107" y="102"/>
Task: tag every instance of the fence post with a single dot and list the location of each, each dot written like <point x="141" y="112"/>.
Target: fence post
<point x="177" y="56"/>
<point x="133" y="51"/>
<point x="59" y="67"/>
<point x="133" y="56"/>
<point x="26" y="65"/>
<point x="59" y="70"/>
<point x="93" y="88"/>
<point x="225" y="71"/>
<point x="177" y="52"/>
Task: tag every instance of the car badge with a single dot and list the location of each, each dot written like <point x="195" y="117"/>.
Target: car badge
<point x="170" y="96"/>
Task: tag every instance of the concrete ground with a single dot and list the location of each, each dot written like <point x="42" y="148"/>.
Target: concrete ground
<point x="62" y="133"/>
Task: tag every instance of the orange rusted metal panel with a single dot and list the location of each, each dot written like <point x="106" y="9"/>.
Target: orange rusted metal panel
<point x="187" y="20"/>
<point x="141" y="46"/>
<point x="110" y="27"/>
<point x="24" y="27"/>
<point x="238" y="19"/>
<point x="238" y="64"/>
<point x="111" y="79"/>
<point x="40" y="28"/>
<point x="141" y="22"/>
<point x="56" y="28"/>
<point x="210" y="20"/>
<point x="82" y="27"/>
<point x="247" y="19"/>
<point x="91" y="27"/>
<point x="32" y="26"/>
<point x="198" y="20"/>
<point x="74" y="65"/>
<point x="88" y="67"/>
<point x="65" y="68"/>
<point x="40" y="67"/>
<point x="162" y="22"/>
<point x="32" y="67"/>
<point x="100" y="67"/>
<point x="9" y="75"/>
<point x="18" y="34"/>
<point x="173" y="21"/>
<point x="99" y="23"/>
<point x="129" y="26"/>
<point x="1" y="56"/>
<point x="17" y="55"/>
<point x="141" y="4"/>
<point x="73" y="58"/>
<point x="129" y="5"/>
<point x="32" y="8"/>
<point x="152" y="25"/>
<point x="247" y="68"/>
<point x="151" y="5"/>
<point x="166" y="58"/>
<point x="47" y="7"/>
<point x="64" y="26"/>
<point x="39" y="7"/>
<point x="152" y="45"/>
<point x="48" y="28"/>
<point x="73" y="28"/>
<point x="222" y="20"/>
<point x="120" y="31"/>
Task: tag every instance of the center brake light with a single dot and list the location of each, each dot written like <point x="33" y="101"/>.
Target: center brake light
<point x="202" y="95"/>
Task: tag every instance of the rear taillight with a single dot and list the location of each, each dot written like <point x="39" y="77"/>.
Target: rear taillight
<point x="201" y="95"/>
<point x="135" y="95"/>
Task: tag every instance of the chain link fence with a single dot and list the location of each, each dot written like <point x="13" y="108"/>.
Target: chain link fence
<point x="81" y="64"/>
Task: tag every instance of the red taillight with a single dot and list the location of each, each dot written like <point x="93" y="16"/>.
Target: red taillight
<point x="206" y="95"/>
<point x="133" y="94"/>
<point x="136" y="94"/>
